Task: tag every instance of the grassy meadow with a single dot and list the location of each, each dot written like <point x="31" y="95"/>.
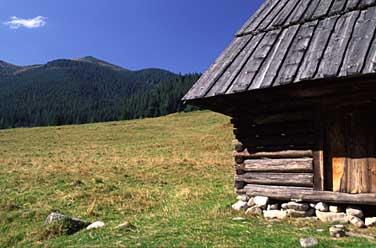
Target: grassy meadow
<point x="170" y="177"/>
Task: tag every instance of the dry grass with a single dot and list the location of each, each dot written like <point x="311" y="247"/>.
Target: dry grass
<point x="170" y="177"/>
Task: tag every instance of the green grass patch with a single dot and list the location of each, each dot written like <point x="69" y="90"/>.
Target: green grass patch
<point x="170" y="177"/>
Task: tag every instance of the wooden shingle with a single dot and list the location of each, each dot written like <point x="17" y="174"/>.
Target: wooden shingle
<point x="294" y="41"/>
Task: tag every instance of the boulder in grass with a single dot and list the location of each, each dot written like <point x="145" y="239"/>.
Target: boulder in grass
<point x="308" y="242"/>
<point x="239" y="205"/>
<point x="337" y="231"/>
<point x="254" y="211"/>
<point x="96" y="225"/>
<point x="67" y="225"/>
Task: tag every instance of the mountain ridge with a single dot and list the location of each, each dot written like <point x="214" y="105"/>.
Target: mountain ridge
<point x="86" y="90"/>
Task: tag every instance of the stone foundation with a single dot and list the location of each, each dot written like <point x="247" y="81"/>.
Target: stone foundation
<point x="269" y="209"/>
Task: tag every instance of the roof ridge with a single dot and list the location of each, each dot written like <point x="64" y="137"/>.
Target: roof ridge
<point x="319" y="18"/>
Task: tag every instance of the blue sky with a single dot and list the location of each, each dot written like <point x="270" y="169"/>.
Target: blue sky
<point x="177" y="35"/>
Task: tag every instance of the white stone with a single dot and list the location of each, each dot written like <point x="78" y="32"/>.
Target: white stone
<point x="96" y="225"/>
<point x="239" y="205"/>
<point x="371" y="221"/>
<point x="332" y="217"/>
<point x="254" y="211"/>
<point x="337" y="231"/>
<point x="273" y="206"/>
<point x="300" y="214"/>
<point x="356" y="221"/>
<point x="250" y="202"/>
<point x="312" y="205"/>
<point x="335" y="209"/>
<point x="297" y="206"/>
<point x="352" y="211"/>
<point x="322" y="207"/>
<point x="242" y="198"/>
<point x="275" y="214"/>
<point x="284" y="205"/>
<point x="238" y="219"/>
<point x="261" y="201"/>
<point x="308" y="242"/>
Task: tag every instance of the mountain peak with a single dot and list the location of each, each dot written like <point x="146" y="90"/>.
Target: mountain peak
<point x="90" y="59"/>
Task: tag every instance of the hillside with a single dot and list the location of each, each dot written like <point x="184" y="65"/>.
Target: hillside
<point x="86" y="90"/>
<point x="170" y="177"/>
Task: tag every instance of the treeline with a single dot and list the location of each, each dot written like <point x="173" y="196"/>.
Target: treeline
<point x="76" y="92"/>
<point x="164" y="98"/>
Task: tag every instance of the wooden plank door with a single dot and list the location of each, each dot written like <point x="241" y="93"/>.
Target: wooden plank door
<point x="350" y="150"/>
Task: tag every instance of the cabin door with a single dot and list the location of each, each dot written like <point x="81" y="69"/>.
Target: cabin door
<point x="350" y="149"/>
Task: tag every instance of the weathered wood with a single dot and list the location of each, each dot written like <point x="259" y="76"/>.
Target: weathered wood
<point x="277" y="165"/>
<point x="276" y="130"/>
<point x="358" y="47"/>
<point x="296" y="54"/>
<point x="272" y="15"/>
<point x="352" y="4"/>
<point x="308" y="194"/>
<point x="366" y="3"/>
<point x="311" y="9"/>
<point x="283" y="15"/>
<point x="331" y="62"/>
<point x="322" y="9"/>
<point x="235" y="67"/>
<point x="298" y="13"/>
<point x="251" y="68"/>
<point x="316" y="50"/>
<point x="277" y="154"/>
<point x="269" y="71"/>
<point x="319" y="170"/>
<point x="297" y="140"/>
<point x="337" y="7"/>
<point x="253" y="23"/>
<point x="289" y="179"/>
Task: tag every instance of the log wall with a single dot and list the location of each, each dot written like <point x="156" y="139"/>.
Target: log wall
<point x="276" y="149"/>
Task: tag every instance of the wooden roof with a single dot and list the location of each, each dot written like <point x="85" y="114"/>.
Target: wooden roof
<point x="291" y="41"/>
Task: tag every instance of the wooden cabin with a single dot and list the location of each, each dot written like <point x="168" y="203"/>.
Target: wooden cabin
<point x="299" y="81"/>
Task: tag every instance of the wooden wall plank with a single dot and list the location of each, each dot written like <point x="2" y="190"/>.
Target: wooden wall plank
<point x="277" y="154"/>
<point x="290" y="179"/>
<point x="278" y="165"/>
<point x="308" y="195"/>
